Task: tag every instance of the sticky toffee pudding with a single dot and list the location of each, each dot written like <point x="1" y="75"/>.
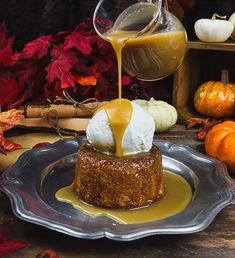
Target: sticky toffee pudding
<point x="119" y="182"/>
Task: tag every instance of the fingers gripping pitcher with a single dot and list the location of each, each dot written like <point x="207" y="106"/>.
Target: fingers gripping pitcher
<point x="149" y="41"/>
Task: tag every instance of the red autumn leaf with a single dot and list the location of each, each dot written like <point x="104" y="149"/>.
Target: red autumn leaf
<point x="7" y="245"/>
<point x="60" y="36"/>
<point x="102" y="65"/>
<point x="10" y="90"/>
<point x="82" y="67"/>
<point x="6" y="56"/>
<point x="105" y="89"/>
<point x="32" y="77"/>
<point x="25" y="69"/>
<point x="33" y="87"/>
<point x="14" y="93"/>
<point x="97" y="95"/>
<point x="6" y="73"/>
<point x="52" y="90"/>
<point x="102" y="48"/>
<point x="126" y="80"/>
<point x="5" y="47"/>
<point x="9" y="145"/>
<point x="61" y="65"/>
<point x="86" y="28"/>
<point x="41" y="144"/>
<point x="49" y="253"/>
<point x="72" y="66"/>
<point x="86" y="91"/>
<point x="80" y="42"/>
<point x="38" y="46"/>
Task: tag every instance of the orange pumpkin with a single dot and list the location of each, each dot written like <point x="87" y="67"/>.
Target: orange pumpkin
<point x="220" y="143"/>
<point x="216" y="98"/>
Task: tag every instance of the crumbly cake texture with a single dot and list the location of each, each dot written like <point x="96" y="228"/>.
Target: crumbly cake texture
<point x="126" y="182"/>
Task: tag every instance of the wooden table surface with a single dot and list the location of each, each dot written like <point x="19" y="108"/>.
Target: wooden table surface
<point x="218" y="240"/>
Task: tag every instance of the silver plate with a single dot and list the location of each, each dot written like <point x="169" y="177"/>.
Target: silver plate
<point x="32" y="182"/>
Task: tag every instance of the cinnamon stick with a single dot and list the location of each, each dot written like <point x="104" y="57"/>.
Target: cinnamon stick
<point x="62" y="110"/>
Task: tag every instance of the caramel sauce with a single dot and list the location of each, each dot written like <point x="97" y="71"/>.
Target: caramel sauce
<point x="178" y="197"/>
<point x="118" y="41"/>
<point x="148" y="57"/>
<point x="154" y="56"/>
<point x="119" y="112"/>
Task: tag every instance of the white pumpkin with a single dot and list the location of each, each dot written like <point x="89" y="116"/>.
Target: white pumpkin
<point x="232" y="20"/>
<point x="212" y="30"/>
<point x="164" y="114"/>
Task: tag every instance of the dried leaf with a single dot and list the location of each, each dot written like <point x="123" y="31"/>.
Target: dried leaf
<point x="202" y="132"/>
<point x="49" y="253"/>
<point x="2" y="150"/>
<point x="196" y="121"/>
<point x="87" y="80"/>
<point x="7" y="121"/>
<point x="10" y="146"/>
<point x="201" y="148"/>
<point x="7" y="245"/>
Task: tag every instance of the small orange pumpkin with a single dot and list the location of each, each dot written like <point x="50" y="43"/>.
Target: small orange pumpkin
<point x="216" y="98"/>
<point x="220" y="143"/>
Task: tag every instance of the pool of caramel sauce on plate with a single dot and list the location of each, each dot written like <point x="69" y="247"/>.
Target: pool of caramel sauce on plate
<point x="178" y="197"/>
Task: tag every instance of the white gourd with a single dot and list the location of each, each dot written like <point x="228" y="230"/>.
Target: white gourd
<point x="164" y="114"/>
<point x="213" y="30"/>
<point x="232" y="20"/>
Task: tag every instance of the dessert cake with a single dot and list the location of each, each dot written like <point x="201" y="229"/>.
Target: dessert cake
<point x="124" y="182"/>
<point x="119" y="167"/>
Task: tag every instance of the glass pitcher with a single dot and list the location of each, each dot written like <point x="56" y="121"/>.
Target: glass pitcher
<point x="155" y="42"/>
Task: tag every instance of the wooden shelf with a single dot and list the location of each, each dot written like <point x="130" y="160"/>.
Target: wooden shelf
<point x="225" y="46"/>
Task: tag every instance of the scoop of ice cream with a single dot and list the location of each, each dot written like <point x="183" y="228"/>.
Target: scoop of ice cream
<point x="137" y="138"/>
